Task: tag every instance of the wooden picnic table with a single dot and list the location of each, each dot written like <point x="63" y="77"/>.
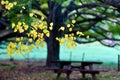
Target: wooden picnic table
<point x="66" y="67"/>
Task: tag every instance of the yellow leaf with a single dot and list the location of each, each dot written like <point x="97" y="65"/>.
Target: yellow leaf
<point x="15" y="3"/>
<point x="62" y="28"/>
<point x="66" y="36"/>
<point x="3" y="2"/>
<point x="70" y="29"/>
<point x="21" y="30"/>
<point x="30" y="40"/>
<point x="77" y="32"/>
<point x="21" y="38"/>
<point x="31" y="14"/>
<point x="42" y="18"/>
<point x="68" y="25"/>
<point x="19" y="43"/>
<point x="57" y="38"/>
<point x="68" y="44"/>
<point x="48" y="34"/>
<point x="6" y="2"/>
<point x="51" y="24"/>
<point x="26" y="27"/>
<point x="13" y="25"/>
<point x="62" y="40"/>
<point x="45" y="31"/>
<point x="17" y="39"/>
<point x="15" y="30"/>
<point x="19" y="23"/>
<point x="73" y="45"/>
<point x="73" y="21"/>
<point x="50" y="27"/>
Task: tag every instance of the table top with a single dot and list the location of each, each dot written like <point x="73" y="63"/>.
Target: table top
<point x="83" y="62"/>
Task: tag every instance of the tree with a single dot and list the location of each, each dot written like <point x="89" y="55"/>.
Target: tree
<point x="80" y="21"/>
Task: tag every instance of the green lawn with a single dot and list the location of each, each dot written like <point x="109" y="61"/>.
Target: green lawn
<point x="92" y="51"/>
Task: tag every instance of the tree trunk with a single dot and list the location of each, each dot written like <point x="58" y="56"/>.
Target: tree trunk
<point x="53" y="47"/>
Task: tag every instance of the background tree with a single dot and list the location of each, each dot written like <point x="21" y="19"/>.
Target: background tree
<point x="80" y="21"/>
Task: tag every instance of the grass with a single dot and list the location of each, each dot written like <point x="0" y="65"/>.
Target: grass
<point x="36" y="71"/>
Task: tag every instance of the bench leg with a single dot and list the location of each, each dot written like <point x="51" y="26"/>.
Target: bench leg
<point x="83" y="75"/>
<point x="94" y="77"/>
<point x="68" y="76"/>
<point x="58" y="75"/>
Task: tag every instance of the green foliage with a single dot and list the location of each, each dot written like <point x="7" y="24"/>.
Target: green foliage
<point x="114" y="28"/>
<point x="92" y="33"/>
<point x="59" y="1"/>
<point x="43" y="1"/>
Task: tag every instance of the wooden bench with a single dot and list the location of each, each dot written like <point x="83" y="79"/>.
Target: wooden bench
<point x="92" y="72"/>
<point x="67" y="68"/>
<point x="69" y="71"/>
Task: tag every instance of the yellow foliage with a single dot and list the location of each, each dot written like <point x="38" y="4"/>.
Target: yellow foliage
<point x="17" y="39"/>
<point x="31" y="14"/>
<point x="26" y="27"/>
<point x="15" y="3"/>
<point x="8" y="5"/>
<point x="20" y="26"/>
<point x="30" y="40"/>
<point x="11" y="48"/>
<point x="73" y="21"/>
<point x="70" y="29"/>
<point x="68" y="25"/>
<point x="62" y="28"/>
<point x="48" y="34"/>
<point x="51" y="26"/>
<point x="42" y="18"/>
<point x="79" y="33"/>
<point x="13" y="25"/>
<point x="3" y="2"/>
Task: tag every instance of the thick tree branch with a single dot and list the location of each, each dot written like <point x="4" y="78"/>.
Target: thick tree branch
<point x="115" y="3"/>
<point x="105" y="36"/>
<point x="76" y="7"/>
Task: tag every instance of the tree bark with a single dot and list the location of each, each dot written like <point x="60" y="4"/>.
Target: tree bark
<point x="53" y="47"/>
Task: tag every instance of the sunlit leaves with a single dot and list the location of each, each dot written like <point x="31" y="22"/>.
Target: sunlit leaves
<point x="51" y="26"/>
<point x="68" y="25"/>
<point x="68" y="39"/>
<point x="36" y="29"/>
<point x="31" y="14"/>
<point x="79" y="33"/>
<point x="20" y="27"/>
<point x="8" y="5"/>
<point x="73" y="21"/>
<point x="62" y="28"/>
<point x="11" y="48"/>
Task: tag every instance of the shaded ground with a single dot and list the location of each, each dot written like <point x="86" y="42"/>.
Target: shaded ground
<point x="35" y="70"/>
